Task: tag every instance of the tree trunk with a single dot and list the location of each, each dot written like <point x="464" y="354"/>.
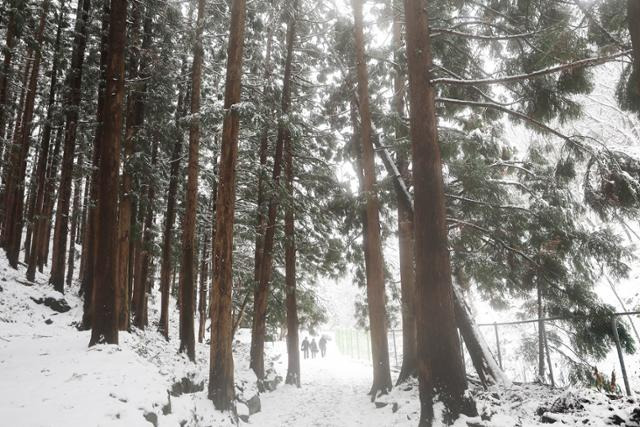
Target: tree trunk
<point x="293" y="342"/>
<point x="541" y="355"/>
<point x="405" y="215"/>
<point x="188" y="282"/>
<point x="14" y="190"/>
<point x="260" y="301"/>
<point x="72" y="106"/>
<point x="43" y="159"/>
<point x="49" y="199"/>
<point x="105" y="289"/>
<point x="439" y="356"/>
<point x="143" y="253"/>
<point x="263" y="153"/>
<point x="11" y="36"/>
<point x="204" y="279"/>
<point x="374" y="262"/>
<point x="90" y="248"/>
<point x="75" y="216"/>
<point x="126" y="195"/>
<point x="221" y="385"/>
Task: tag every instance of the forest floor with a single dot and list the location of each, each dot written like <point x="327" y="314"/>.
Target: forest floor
<point x="49" y="377"/>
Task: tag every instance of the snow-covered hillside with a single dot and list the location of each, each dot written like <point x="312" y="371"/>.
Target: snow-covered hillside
<point x="49" y="377"/>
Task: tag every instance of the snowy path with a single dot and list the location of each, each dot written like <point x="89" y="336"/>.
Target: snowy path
<point x="333" y="393"/>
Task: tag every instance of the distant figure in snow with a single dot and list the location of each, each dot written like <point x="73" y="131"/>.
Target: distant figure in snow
<point x="323" y="346"/>
<point x="314" y="348"/>
<point x="305" y="348"/>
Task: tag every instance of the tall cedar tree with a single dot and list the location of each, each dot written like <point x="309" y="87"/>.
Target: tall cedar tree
<point x="439" y="356"/>
<point x="293" y="353"/>
<point x="221" y="385"/>
<point x="633" y="19"/>
<point x="262" y="292"/>
<point x="90" y="247"/>
<point x="170" y="213"/>
<point x="72" y="107"/>
<point x="405" y="214"/>
<point x="139" y="303"/>
<point x="373" y="251"/>
<point x="125" y="218"/>
<point x="11" y="38"/>
<point x="43" y="157"/>
<point x="188" y="282"/>
<point x="105" y="287"/>
<point x="14" y="191"/>
<point x="262" y="155"/>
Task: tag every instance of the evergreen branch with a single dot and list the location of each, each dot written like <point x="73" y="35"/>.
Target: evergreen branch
<point x="591" y="18"/>
<point x="508" y="111"/>
<point x="439" y="31"/>
<point x="491" y="205"/>
<point x="587" y="62"/>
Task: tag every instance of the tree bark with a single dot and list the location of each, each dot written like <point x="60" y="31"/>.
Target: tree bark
<point x="221" y="385"/>
<point x="11" y="36"/>
<point x="263" y="153"/>
<point x="133" y="123"/>
<point x="405" y="215"/>
<point x="261" y="296"/>
<point x="439" y="356"/>
<point x="14" y="190"/>
<point x="105" y="289"/>
<point x="541" y="355"/>
<point x="90" y="247"/>
<point x="143" y="252"/>
<point x="72" y="105"/>
<point x="374" y="262"/>
<point x="293" y="342"/>
<point x="75" y="216"/>
<point x="188" y="282"/>
<point x="204" y="279"/>
<point x="43" y="159"/>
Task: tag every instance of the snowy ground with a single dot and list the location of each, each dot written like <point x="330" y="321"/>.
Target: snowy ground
<point x="49" y="377"/>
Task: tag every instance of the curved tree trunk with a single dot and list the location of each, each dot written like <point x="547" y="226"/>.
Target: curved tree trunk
<point x="105" y="289"/>
<point x="221" y="385"/>
<point x="440" y="368"/>
<point x="374" y="262"/>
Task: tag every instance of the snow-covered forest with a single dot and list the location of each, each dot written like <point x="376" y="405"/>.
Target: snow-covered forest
<point x="319" y="213"/>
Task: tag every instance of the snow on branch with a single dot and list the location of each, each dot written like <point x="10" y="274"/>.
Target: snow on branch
<point x="588" y="62"/>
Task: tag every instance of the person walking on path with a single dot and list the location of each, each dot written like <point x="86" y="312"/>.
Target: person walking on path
<point x="305" y="348"/>
<point x="314" y="348"/>
<point x="323" y="346"/>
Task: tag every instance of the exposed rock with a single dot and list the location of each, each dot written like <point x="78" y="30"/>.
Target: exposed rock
<point x="254" y="405"/>
<point x="166" y="409"/>
<point x="394" y="407"/>
<point x="616" y="420"/>
<point x="57" y="305"/>
<point x="381" y="404"/>
<point x="186" y="385"/>
<point x="548" y="419"/>
<point x="48" y="321"/>
<point x="152" y="418"/>
<point x="565" y="404"/>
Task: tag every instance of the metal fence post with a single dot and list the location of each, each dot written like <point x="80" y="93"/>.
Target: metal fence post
<point x="395" y="350"/>
<point x="614" y="325"/>
<point x="495" y="328"/>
